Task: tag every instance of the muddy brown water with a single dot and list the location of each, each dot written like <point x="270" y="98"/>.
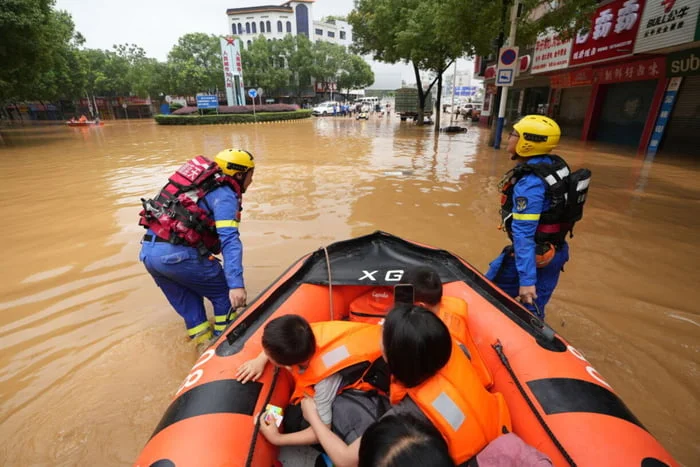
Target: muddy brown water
<point x="91" y="353"/>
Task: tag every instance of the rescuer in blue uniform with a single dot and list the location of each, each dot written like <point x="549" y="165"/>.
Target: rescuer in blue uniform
<point x="530" y="267"/>
<point x="179" y="252"/>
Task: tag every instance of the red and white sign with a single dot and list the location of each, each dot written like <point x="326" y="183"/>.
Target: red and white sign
<point x="231" y="58"/>
<point x="490" y="72"/>
<point x="653" y="68"/>
<point x="570" y="79"/>
<point x="666" y="23"/>
<point x="551" y="53"/>
<point x="611" y="35"/>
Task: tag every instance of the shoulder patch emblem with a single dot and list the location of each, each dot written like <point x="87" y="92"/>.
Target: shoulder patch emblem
<point x="520" y="203"/>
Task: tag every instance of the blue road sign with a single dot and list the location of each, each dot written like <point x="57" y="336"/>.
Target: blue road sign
<point x="207" y="102"/>
<point x="252" y="93"/>
<point x="504" y="78"/>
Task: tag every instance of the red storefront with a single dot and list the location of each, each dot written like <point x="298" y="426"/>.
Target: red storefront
<point x="620" y="93"/>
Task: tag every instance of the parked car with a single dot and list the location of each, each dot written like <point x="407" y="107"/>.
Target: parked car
<point x="325" y="108"/>
<point x="471" y="111"/>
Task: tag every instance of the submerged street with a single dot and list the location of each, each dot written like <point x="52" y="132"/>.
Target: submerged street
<point x="91" y="352"/>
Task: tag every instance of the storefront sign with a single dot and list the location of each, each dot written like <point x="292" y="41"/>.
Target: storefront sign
<point x="664" y="114"/>
<point x="233" y="70"/>
<point x="611" y="35"/>
<point x="685" y="63"/>
<point x="666" y="23"/>
<point x="570" y="79"/>
<point x="653" y="68"/>
<point x="551" y="53"/>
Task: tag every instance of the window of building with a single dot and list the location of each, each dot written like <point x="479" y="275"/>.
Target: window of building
<point x="269" y="29"/>
<point x="289" y="26"/>
<point x="248" y="43"/>
<point x="319" y="32"/>
<point x="247" y="28"/>
<point x="331" y="34"/>
<point x="240" y="28"/>
<point x="262" y="26"/>
<point x="342" y="34"/>
<point x="279" y="26"/>
<point x="253" y="28"/>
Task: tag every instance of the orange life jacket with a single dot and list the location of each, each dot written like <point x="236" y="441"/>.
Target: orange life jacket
<point x="341" y="345"/>
<point x="453" y="312"/>
<point x="373" y="306"/>
<point x="454" y="400"/>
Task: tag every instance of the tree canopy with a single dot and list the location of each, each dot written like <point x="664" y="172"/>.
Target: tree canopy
<point x="430" y="35"/>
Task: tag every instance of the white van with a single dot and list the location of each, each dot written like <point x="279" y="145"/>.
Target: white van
<point x="371" y="101"/>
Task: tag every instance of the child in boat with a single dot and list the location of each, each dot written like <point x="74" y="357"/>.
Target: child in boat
<point x="400" y="440"/>
<point x="324" y="359"/>
<point x="432" y="380"/>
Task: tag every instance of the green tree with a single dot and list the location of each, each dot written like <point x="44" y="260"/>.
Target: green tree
<point x="355" y="73"/>
<point x="430" y="34"/>
<point x="300" y="60"/>
<point x="38" y="52"/>
<point x="264" y="65"/>
<point x="196" y="64"/>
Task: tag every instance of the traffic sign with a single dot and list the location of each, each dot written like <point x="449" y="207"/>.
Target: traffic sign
<point x="260" y="92"/>
<point x="207" y="102"/>
<point x="252" y="93"/>
<point x="507" y="66"/>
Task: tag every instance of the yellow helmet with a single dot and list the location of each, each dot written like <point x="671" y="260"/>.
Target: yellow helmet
<point x="538" y="135"/>
<point x="233" y="161"/>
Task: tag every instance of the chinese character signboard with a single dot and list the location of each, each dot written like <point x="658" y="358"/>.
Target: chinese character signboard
<point x="207" y="102"/>
<point x="653" y="68"/>
<point x="551" y="53"/>
<point x="570" y="79"/>
<point x="666" y="23"/>
<point x="611" y="35"/>
<point x="233" y="71"/>
<point x="664" y="115"/>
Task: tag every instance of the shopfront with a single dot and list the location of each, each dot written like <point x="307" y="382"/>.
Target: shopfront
<point x="624" y="100"/>
<point x="571" y="94"/>
<point x="681" y="135"/>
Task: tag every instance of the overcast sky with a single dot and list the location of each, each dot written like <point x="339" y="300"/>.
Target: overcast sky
<point x="156" y="25"/>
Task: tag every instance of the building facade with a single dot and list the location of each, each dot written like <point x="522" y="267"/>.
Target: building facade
<point x="629" y="78"/>
<point x="275" y="22"/>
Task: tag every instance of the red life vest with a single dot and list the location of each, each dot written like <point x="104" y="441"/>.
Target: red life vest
<point x="174" y="215"/>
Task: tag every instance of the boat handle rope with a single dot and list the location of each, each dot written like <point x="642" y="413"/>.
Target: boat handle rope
<point x="256" y="430"/>
<point x="498" y="347"/>
<point x="330" y="282"/>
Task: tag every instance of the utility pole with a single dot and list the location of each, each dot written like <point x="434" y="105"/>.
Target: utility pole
<point x="454" y="83"/>
<point x="504" y="93"/>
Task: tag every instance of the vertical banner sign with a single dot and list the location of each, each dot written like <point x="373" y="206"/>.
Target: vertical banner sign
<point x="233" y="70"/>
<point x="661" y="121"/>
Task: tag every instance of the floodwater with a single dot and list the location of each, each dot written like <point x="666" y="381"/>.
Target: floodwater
<point x="91" y="353"/>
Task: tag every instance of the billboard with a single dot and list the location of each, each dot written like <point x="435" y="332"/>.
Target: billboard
<point x="611" y="34"/>
<point x="666" y="23"/>
<point x="233" y="70"/>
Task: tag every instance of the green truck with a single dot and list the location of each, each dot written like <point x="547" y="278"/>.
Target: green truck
<point x="406" y="103"/>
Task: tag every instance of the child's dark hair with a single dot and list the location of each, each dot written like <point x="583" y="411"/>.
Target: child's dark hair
<point x="416" y="344"/>
<point x="289" y="340"/>
<point x="426" y="283"/>
<point x="401" y="440"/>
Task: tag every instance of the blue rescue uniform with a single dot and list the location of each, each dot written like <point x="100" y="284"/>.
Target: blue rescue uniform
<point x="510" y="271"/>
<point x="186" y="277"/>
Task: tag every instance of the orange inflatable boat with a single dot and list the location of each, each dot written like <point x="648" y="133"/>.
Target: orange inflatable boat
<point x="558" y="402"/>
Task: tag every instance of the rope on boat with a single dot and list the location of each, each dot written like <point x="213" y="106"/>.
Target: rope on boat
<point x="330" y="282"/>
<point x="498" y="347"/>
<point x="256" y="430"/>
